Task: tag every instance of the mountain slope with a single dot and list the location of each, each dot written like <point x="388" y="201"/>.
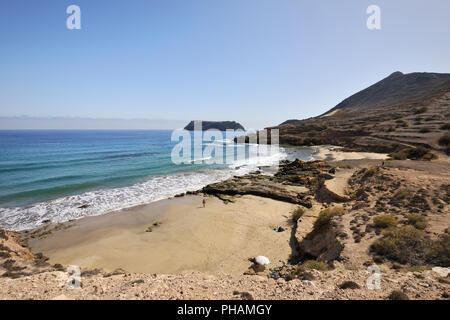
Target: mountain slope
<point x="402" y="110"/>
<point x="397" y="88"/>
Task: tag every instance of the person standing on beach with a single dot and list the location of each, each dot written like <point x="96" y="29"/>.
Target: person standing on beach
<point x="204" y="202"/>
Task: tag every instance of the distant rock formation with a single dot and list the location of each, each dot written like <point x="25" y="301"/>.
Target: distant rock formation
<point x="217" y="125"/>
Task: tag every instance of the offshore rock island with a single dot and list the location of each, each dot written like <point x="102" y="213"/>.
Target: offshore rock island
<point x="214" y="125"/>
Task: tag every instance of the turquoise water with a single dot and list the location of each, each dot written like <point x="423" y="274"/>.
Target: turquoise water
<point x="51" y="174"/>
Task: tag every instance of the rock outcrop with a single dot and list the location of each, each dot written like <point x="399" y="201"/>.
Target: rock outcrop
<point x="322" y="244"/>
<point x="295" y="182"/>
<point x="16" y="260"/>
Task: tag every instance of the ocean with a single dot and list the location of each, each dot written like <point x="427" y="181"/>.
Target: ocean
<point x="60" y="175"/>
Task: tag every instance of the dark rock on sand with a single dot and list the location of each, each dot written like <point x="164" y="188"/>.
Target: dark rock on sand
<point x="286" y="185"/>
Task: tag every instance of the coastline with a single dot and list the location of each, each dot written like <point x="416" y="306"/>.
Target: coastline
<point x="101" y="241"/>
<point x="192" y="247"/>
<point x="197" y="238"/>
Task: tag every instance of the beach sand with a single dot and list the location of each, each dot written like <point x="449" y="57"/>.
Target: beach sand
<point x="218" y="238"/>
<point x="332" y="153"/>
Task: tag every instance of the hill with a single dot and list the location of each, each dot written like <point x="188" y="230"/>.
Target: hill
<point x="402" y="110"/>
<point x="398" y="88"/>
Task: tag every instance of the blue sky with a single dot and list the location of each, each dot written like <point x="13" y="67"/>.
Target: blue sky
<point x="259" y="62"/>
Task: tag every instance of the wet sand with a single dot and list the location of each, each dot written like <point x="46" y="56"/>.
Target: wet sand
<point x="218" y="238"/>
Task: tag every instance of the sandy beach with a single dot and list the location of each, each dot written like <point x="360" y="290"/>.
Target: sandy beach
<point x="218" y="238"/>
<point x="333" y="153"/>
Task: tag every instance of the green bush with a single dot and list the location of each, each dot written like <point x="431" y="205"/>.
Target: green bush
<point x="300" y="273"/>
<point x="405" y="245"/>
<point x="325" y="217"/>
<point x="418" y="268"/>
<point x="439" y="252"/>
<point x="417" y="221"/>
<point x="384" y="221"/>
<point x="314" y="264"/>
<point x="410" y="153"/>
<point x="370" y="172"/>
<point x="401" y="194"/>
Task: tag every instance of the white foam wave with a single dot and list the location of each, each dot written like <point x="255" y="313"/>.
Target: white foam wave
<point x="105" y="200"/>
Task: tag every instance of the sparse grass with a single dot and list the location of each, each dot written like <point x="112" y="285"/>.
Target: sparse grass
<point x="384" y="221"/>
<point x="301" y="273"/>
<point x="417" y="268"/>
<point x="314" y="264"/>
<point x="409" y="245"/>
<point x="370" y="172"/>
<point x="411" y="153"/>
<point x="439" y="252"/>
<point x="417" y="221"/>
<point x="401" y="194"/>
<point x="297" y="213"/>
<point x="404" y="245"/>
<point x="325" y="217"/>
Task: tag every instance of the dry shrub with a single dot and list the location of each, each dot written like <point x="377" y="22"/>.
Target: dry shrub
<point x="384" y="221"/>
<point x="417" y="221"/>
<point x="326" y="215"/>
<point x="297" y="214"/>
<point x="405" y="245"/>
<point x="313" y="264"/>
